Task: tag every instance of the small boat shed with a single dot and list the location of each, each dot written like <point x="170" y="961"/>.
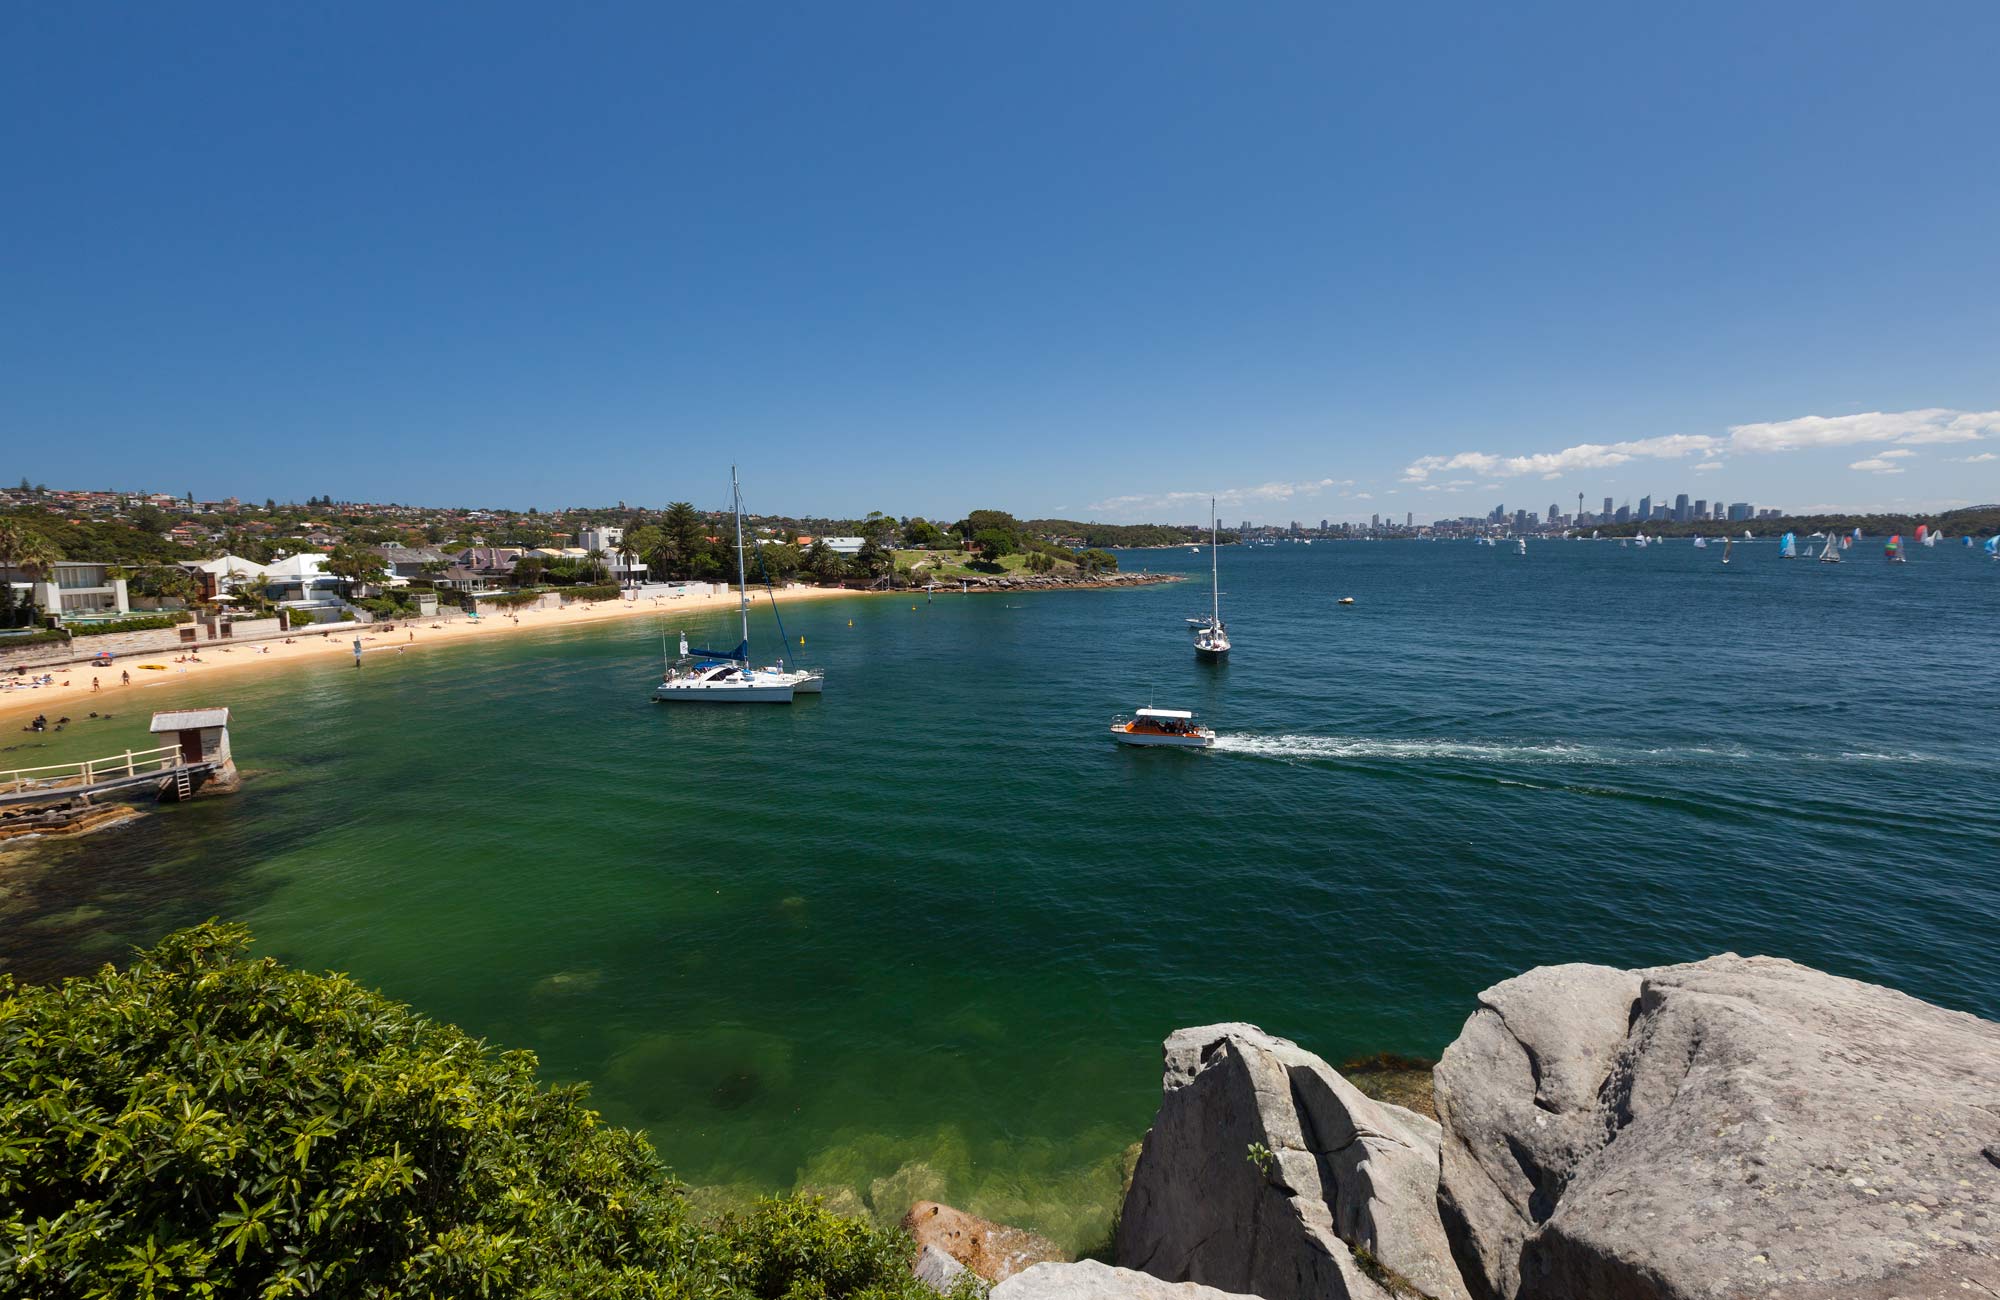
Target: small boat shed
<point x="203" y="734"/>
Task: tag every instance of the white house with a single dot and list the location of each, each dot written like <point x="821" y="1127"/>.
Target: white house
<point x="607" y="540"/>
<point x="843" y="545"/>
<point x="73" y="590"/>
<point x="301" y="580"/>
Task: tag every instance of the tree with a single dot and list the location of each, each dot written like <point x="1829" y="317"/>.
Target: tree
<point x="151" y="519"/>
<point x="23" y="548"/>
<point x="528" y="571"/>
<point x="822" y="561"/>
<point x="357" y="566"/>
<point x="994" y="543"/>
<point x="1096" y="561"/>
<point x="921" y="534"/>
<point x="1040" y="562"/>
<point x="683" y="528"/>
<point x="872" y="561"/>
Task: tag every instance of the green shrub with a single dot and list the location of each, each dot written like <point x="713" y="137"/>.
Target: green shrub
<point x="206" y="1124"/>
<point x="140" y="623"/>
<point x="603" y="591"/>
<point x="512" y="599"/>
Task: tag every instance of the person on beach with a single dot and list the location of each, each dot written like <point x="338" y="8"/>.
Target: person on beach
<point x="126" y="677"/>
<point x="94" y="685"/>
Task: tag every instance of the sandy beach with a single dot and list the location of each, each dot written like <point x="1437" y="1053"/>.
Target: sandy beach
<point x="72" y="694"/>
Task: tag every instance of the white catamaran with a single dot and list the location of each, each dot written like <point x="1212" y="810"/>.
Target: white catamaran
<point x="1211" y="642"/>
<point x="725" y="676"/>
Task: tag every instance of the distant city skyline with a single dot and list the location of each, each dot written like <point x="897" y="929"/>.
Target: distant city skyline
<point x="1094" y="262"/>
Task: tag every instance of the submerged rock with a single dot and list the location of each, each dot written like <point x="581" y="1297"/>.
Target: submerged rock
<point x="1090" y="1280"/>
<point x="992" y="1250"/>
<point x="1730" y="1127"/>
<point x="1265" y="1172"/>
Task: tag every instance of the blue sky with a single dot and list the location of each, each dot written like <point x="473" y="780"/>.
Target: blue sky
<point x="1085" y="260"/>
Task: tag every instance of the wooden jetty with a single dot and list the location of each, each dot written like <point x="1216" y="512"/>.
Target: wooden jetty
<point x="198" y="758"/>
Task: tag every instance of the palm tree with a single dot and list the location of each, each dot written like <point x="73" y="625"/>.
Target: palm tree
<point x="21" y="547"/>
<point x="625" y="555"/>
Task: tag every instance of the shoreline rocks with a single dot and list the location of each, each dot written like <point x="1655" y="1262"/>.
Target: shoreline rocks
<point x="1265" y="1172"/>
<point x="993" y="1251"/>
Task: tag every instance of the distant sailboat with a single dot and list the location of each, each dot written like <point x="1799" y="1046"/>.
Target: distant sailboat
<point x="1893" y="552"/>
<point x="1923" y="534"/>
<point x="1788" y="547"/>
<point x="1520" y="546"/>
<point x="1727" y="542"/>
<point x="1701" y="543"/>
<point x="1830" y="553"/>
<point x="1993" y="547"/>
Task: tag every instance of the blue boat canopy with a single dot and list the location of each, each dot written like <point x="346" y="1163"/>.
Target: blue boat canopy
<point x="741" y="654"/>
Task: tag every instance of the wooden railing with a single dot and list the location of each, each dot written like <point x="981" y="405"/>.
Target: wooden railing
<point x="92" y="770"/>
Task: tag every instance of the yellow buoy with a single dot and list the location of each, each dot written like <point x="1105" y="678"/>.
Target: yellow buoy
<point x="802" y="638"/>
<point x="850" y="622"/>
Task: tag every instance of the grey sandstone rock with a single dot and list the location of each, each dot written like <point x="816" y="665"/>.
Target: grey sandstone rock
<point x="1756" y="1128"/>
<point x="1090" y="1280"/>
<point x="937" y="1270"/>
<point x="1517" y="1095"/>
<point x="1343" y="1172"/>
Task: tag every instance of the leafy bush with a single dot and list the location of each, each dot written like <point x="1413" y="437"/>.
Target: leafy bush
<point x="605" y="591"/>
<point x="143" y="623"/>
<point x="206" y="1124"/>
<point x="512" y="599"/>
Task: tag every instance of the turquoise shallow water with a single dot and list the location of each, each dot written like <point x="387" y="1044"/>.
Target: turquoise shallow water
<point x="923" y="935"/>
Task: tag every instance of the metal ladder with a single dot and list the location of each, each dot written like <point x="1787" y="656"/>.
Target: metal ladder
<point x="183" y="784"/>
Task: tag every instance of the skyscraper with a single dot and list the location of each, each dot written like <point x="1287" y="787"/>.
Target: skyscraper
<point x="1607" y="508"/>
<point x="1681" y="508"/>
<point x="1555" y="513"/>
<point x="1701" y="509"/>
<point x="1409" y="519"/>
<point x="1645" y="509"/>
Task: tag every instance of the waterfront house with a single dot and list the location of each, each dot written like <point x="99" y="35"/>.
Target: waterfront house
<point x="301" y="582"/>
<point x="407" y="562"/>
<point x="72" y="590"/>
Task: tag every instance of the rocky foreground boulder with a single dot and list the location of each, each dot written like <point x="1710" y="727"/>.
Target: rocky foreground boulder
<point x="1730" y="1127"/>
<point x="1090" y="1280"/>
<point x="1267" y="1173"/>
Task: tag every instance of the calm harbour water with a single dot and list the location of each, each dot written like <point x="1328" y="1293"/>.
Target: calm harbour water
<point x="922" y="936"/>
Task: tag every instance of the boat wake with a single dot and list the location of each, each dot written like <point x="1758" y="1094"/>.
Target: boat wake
<point x="1483" y="751"/>
<point x="1546" y="753"/>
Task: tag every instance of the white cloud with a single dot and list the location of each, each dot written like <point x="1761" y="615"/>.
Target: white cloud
<point x="1708" y="465"/>
<point x="1931" y="425"/>
<point x="1897" y="454"/>
<point x="1913" y="428"/>
<point x="1554" y="464"/>
<point x="1143" y="501"/>
<point x="1980" y="459"/>
<point x="1877" y="465"/>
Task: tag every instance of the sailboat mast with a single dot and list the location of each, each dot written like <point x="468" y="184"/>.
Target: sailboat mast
<point x="742" y="584"/>
<point x="1214" y="570"/>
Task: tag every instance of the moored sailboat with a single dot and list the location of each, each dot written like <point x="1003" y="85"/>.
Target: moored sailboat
<point x="725" y="676"/>
<point x="1211" y="643"/>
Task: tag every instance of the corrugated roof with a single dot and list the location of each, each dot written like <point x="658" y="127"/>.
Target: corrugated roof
<point x="190" y="719"/>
